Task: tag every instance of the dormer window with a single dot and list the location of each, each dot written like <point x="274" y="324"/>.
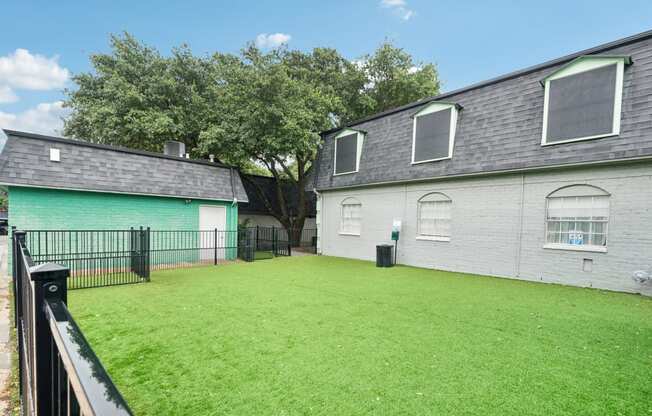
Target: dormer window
<point x="433" y="132"/>
<point x="583" y="99"/>
<point x="348" y="148"/>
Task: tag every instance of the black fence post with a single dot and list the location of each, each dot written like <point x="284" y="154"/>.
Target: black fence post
<point x="132" y="250"/>
<point x="215" y="247"/>
<point x="274" y="241"/>
<point x="16" y="236"/>
<point x="49" y="283"/>
<point x="257" y="242"/>
<point x="146" y="253"/>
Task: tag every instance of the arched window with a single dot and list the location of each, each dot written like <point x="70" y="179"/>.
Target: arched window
<point x="434" y="217"/>
<point x="577" y="217"/>
<point x="351" y="220"/>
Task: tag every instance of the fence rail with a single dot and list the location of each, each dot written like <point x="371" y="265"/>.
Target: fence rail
<point x="115" y="257"/>
<point x="59" y="374"/>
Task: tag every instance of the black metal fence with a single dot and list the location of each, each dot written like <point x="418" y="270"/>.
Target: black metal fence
<point x="59" y="374"/>
<point x="94" y="257"/>
<point x="114" y="257"/>
<point x="271" y="242"/>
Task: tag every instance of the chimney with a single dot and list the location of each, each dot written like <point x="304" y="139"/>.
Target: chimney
<point x="174" y="148"/>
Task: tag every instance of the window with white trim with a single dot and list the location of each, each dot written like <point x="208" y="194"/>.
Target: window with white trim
<point x="348" y="148"/>
<point x="577" y="217"/>
<point x="583" y="99"/>
<point x="351" y="220"/>
<point x="433" y="132"/>
<point x="434" y="217"/>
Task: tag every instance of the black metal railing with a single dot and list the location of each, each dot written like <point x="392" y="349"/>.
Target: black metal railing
<point x="98" y="258"/>
<point x="95" y="257"/>
<point x="58" y="372"/>
<point x="271" y="242"/>
<point x="113" y="257"/>
<point x="183" y="248"/>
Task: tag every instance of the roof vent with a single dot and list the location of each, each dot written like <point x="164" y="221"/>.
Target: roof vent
<point x="174" y="148"/>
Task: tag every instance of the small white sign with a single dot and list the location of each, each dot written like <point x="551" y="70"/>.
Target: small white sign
<point x="396" y="225"/>
<point x="55" y="155"/>
<point x="576" y="238"/>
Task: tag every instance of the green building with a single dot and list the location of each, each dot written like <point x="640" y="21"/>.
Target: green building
<point x="61" y="184"/>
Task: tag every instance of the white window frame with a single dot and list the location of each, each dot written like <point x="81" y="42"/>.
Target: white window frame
<point x="578" y="66"/>
<point x="433" y="197"/>
<point x="360" y="139"/>
<point x="433" y="108"/>
<point x="573" y="191"/>
<point x="350" y="201"/>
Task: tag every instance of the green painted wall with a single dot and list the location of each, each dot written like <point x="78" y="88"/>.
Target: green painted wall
<point x="53" y="209"/>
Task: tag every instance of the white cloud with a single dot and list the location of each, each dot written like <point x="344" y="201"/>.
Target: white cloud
<point x="399" y="8"/>
<point x="45" y="118"/>
<point x="7" y="95"/>
<point x="272" y="40"/>
<point x="23" y="70"/>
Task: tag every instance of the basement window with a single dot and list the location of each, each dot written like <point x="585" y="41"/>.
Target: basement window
<point x="348" y="147"/>
<point x="583" y="100"/>
<point x="433" y="132"/>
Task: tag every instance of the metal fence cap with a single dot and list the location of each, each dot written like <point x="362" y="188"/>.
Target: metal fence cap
<point x="47" y="271"/>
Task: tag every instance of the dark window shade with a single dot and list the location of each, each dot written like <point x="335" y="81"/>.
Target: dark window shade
<point x="581" y="105"/>
<point x="432" y="135"/>
<point x="347" y="153"/>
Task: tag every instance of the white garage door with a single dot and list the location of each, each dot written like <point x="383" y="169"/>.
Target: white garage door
<point x="211" y="218"/>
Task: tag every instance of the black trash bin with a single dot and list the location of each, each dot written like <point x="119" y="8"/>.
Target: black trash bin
<point x="384" y="255"/>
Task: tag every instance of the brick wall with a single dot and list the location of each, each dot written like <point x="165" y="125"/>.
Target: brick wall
<point x="51" y="209"/>
<point x="36" y="208"/>
<point x="498" y="226"/>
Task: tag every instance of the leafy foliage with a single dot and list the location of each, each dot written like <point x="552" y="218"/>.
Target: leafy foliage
<point x="138" y="98"/>
<point x="254" y="110"/>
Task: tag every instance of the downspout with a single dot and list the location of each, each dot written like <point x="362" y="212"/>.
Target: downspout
<point x="520" y="227"/>
<point x="235" y="199"/>
<point x="319" y="198"/>
<point x="234" y="202"/>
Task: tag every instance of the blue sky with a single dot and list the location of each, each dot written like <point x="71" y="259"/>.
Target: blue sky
<point x="42" y="43"/>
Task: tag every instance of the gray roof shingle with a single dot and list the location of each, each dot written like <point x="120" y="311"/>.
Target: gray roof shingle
<point x="25" y="160"/>
<point x="499" y="127"/>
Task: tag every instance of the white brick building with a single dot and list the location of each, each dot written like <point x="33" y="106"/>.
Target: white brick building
<point x="542" y="175"/>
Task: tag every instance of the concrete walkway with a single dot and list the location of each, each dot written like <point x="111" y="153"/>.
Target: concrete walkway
<point x="5" y="353"/>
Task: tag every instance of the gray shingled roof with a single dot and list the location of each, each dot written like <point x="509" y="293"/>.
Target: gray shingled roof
<point x="499" y="128"/>
<point x="25" y="160"/>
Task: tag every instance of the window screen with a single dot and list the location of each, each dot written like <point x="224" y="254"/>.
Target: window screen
<point x="577" y="220"/>
<point x="434" y="218"/>
<point x="581" y="105"/>
<point x="350" y="221"/>
<point x="431" y="139"/>
<point x="346" y="153"/>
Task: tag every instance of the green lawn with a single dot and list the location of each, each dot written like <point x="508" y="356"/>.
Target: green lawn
<point x="329" y="336"/>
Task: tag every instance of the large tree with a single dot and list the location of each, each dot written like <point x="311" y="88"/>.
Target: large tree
<point x="137" y="98"/>
<point x="272" y="110"/>
<point x="257" y="110"/>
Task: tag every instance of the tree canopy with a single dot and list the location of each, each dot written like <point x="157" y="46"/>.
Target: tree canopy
<point x="256" y="109"/>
